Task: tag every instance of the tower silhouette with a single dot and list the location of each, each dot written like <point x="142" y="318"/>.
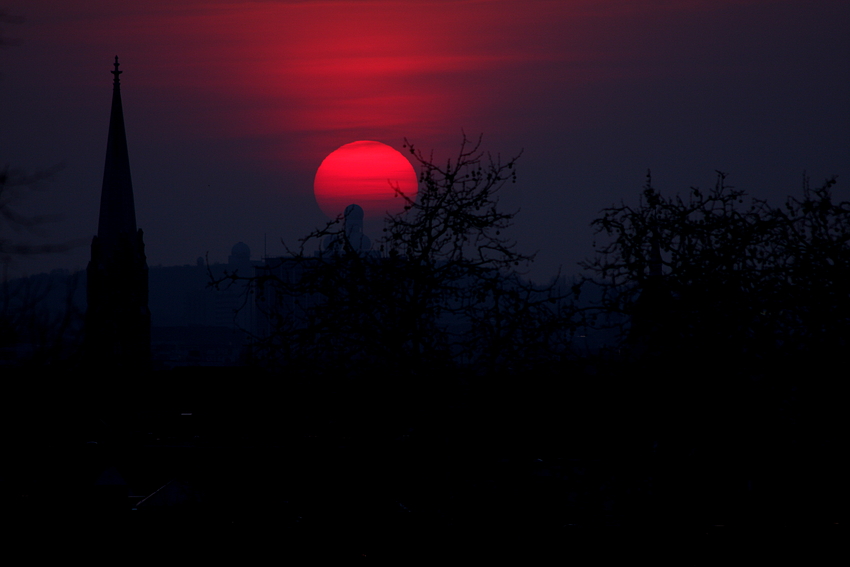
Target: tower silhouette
<point x="118" y="321"/>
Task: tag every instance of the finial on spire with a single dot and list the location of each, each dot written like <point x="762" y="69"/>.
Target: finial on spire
<point x="116" y="72"/>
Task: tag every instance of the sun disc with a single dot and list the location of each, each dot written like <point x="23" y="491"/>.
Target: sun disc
<point x="364" y="173"/>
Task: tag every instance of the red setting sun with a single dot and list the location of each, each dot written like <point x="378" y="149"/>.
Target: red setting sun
<point x="365" y="173"/>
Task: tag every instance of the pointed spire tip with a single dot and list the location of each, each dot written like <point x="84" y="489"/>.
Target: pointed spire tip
<point x="116" y="72"/>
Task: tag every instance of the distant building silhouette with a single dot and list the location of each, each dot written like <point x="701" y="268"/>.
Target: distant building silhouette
<point x="353" y="229"/>
<point x="194" y="323"/>
<point x="118" y="320"/>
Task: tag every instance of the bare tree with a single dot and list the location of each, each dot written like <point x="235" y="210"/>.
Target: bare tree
<point x="24" y="317"/>
<point x="43" y="329"/>
<point x="14" y="185"/>
<point x="442" y="286"/>
<point x="714" y="273"/>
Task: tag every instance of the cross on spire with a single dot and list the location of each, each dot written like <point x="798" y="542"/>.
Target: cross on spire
<point x="116" y="72"/>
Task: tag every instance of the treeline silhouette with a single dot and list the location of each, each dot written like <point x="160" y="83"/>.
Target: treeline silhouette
<point x="717" y="406"/>
<point x="709" y="274"/>
<point x="423" y="391"/>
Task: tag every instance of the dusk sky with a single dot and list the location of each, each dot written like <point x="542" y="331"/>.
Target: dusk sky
<point x="231" y="106"/>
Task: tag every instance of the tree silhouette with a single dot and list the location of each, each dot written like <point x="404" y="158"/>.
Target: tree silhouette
<point x="25" y="311"/>
<point x="441" y="287"/>
<point x="14" y="185"/>
<point x="23" y="317"/>
<point x="735" y="320"/>
<point x="718" y="275"/>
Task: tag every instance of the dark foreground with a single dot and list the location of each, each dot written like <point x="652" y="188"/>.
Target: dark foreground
<point x="233" y="461"/>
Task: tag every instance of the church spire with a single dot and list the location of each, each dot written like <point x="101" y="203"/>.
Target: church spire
<point x="118" y="320"/>
<point x="117" y="208"/>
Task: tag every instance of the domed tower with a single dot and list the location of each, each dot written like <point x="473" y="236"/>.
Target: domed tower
<point x="240" y="257"/>
<point x="118" y="321"/>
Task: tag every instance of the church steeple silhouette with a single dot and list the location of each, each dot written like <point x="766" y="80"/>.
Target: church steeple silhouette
<point x="117" y="319"/>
